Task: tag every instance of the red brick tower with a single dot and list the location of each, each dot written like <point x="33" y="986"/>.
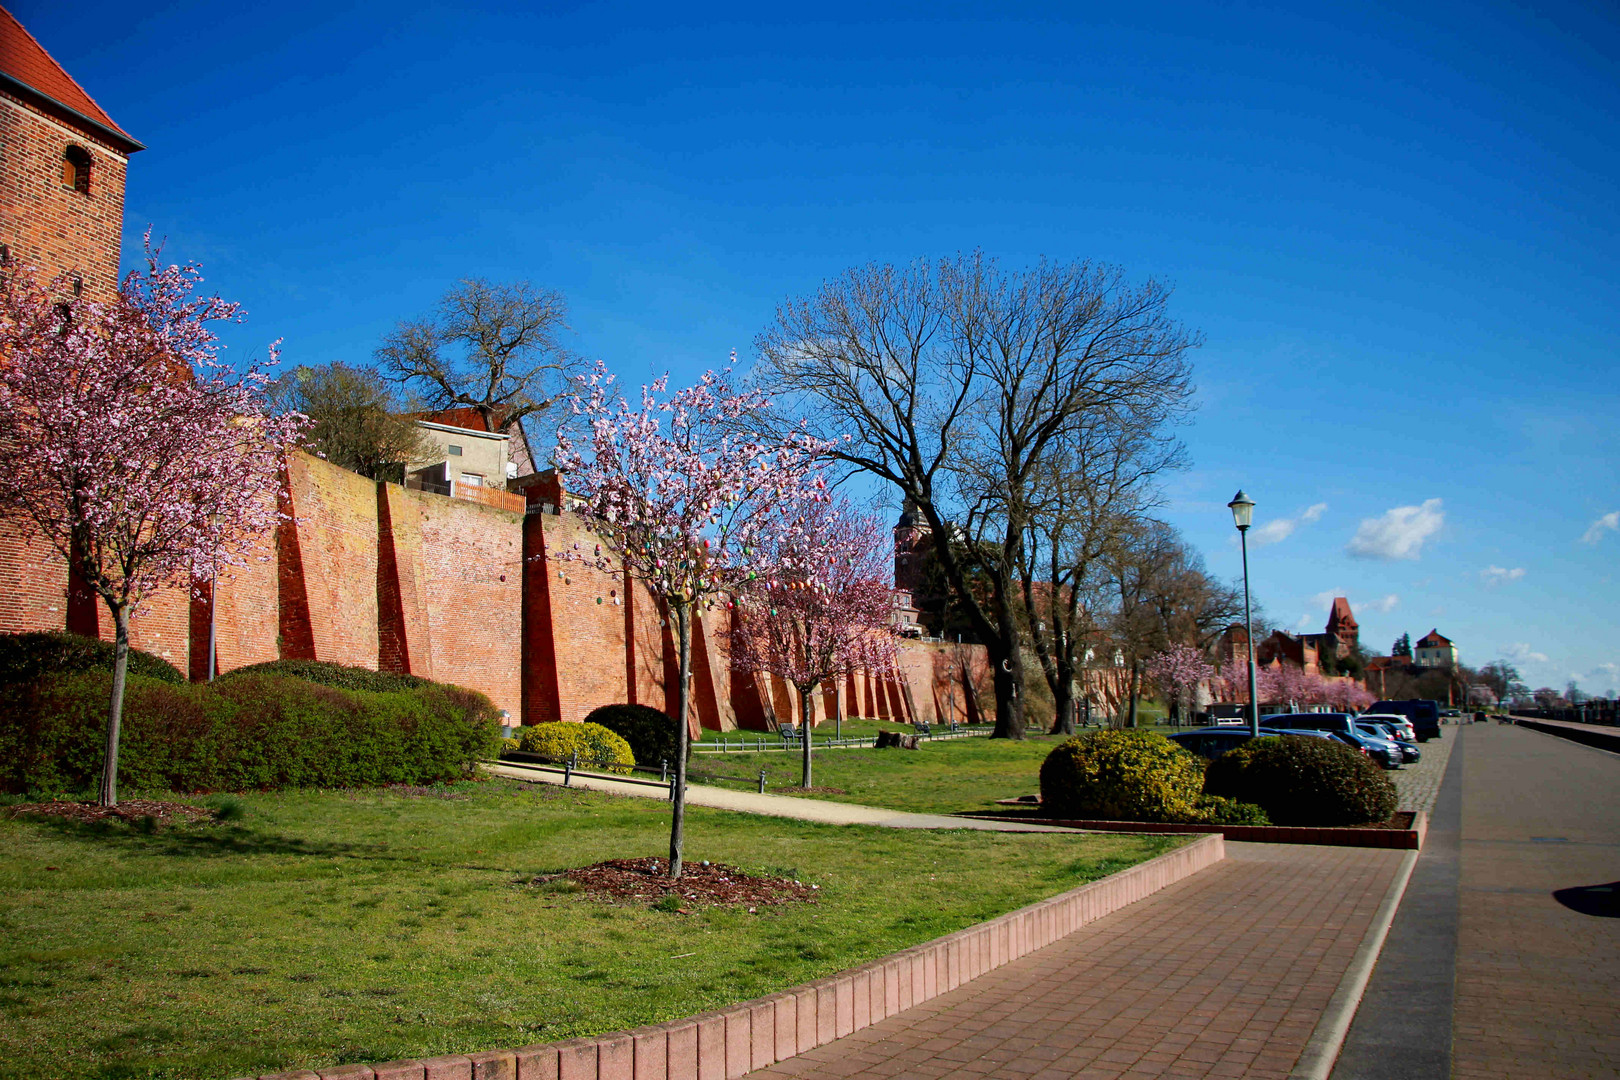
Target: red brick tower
<point x="62" y="162"/>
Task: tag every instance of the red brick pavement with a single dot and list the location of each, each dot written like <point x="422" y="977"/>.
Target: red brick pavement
<point x="1222" y="975"/>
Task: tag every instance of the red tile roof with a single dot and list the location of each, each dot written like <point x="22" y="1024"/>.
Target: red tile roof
<point x="1433" y="640"/>
<point x="26" y="61"/>
<point x="469" y="419"/>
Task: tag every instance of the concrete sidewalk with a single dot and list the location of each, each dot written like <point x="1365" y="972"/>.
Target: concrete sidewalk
<point x="1538" y="944"/>
<point x="751" y="802"/>
<point x="1225" y="974"/>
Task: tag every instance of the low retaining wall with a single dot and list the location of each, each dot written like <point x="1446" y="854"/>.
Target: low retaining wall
<point x="726" y="1043"/>
<point x="1408" y="839"/>
<point x="1602" y="738"/>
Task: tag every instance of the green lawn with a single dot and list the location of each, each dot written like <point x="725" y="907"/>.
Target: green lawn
<point x="326" y="927"/>
<point x="941" y="776"/>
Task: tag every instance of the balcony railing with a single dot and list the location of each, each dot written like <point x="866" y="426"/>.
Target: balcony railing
<point x="478" y="493"/>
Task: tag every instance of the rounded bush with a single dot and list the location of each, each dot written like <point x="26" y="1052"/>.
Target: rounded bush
<point x="1121" y="776"/>
<point x="1299" y="780"/>
<point x="598" y="747"/>
<point x="339" y="675"/>
<point x="26" y="657"/>
<point x="650" y="733"/>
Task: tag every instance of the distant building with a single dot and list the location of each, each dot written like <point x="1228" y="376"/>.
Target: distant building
<point x="1281" y="648"/>
<point x="1343" y="634"/>
<point x="1435" y="651"/>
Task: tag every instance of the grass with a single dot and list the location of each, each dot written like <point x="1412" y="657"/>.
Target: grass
<point x="317" y="928"/>
<point x="941" y="776"/>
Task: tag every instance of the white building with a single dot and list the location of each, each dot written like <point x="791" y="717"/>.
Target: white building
<point x="1435" y="651"/>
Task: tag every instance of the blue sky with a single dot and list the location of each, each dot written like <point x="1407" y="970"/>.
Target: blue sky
<point x="1396" y="228"/>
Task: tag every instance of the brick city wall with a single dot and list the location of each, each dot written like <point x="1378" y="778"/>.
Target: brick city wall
<point x="376" y="576"/>
<point x="47" y="224"/>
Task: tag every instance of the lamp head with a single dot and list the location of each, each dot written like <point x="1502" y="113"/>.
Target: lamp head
<point x="1242" y="508"/>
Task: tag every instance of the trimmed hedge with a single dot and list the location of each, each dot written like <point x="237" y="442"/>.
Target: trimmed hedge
<point x="1121" y="776"/>
<point x="338" y="675"/>
<point x="26" y="657"/>
<point x="650" y="733"/>
<point x="253" y="732"/>
<point x="598" y="747"/>
<point x="1299" y="780"/>
<point x="1219" y="810"/>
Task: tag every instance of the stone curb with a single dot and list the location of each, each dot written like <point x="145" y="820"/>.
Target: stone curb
<point x="729" y="1042"/>
<point x="1327" y="1039"/>
<point x="1401" y="839"/>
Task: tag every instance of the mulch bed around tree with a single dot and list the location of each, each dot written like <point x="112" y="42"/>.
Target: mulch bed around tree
<point x="164" y="813"/>
<point x="648" y="881"/>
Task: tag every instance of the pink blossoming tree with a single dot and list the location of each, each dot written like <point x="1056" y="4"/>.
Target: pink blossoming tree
<point x="824" y="608"/>
<point x="1177" y="671"/>
<point x="130" y="448"/>
<point x="682" y="492"/>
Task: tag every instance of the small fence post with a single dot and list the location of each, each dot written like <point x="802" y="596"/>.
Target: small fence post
<point x="568" y="768"/>
<point x="762" y="781"/>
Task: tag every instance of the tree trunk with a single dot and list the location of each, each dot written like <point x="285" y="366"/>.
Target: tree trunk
<point x="1009" y="683"/>
<point x="1063" y="701"/>
<point x="108" y="794"/>
<point x="1130" y="717"/>
<point x="804" y="735"/>
<point x="683" y="737"/>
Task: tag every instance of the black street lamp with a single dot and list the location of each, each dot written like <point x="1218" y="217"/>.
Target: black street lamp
<point x="1242" y="508"/>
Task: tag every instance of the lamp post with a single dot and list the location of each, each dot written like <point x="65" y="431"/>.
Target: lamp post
<point x="1242" y="508"/>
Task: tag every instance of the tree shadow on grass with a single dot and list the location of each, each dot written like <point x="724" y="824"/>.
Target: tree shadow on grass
<point x="202" y="841"/>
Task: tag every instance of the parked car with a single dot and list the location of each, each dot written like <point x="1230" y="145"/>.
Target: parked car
<point x="1311" y="721"/>
<point x="1399" y="724"/>
<point x="1409" y="748"/>
<point x="1382" y="750"/>
<point x="1212" y="742"/>
<point x="1425" y="715"/>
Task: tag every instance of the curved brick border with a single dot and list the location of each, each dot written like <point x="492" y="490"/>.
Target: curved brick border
<point x="1409" y="839"/>
<point x="726" y="1043"/>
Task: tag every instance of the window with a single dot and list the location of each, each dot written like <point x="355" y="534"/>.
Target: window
<point x="76" y="169"/>
<point x="453" y="450"/>
<point x="472" y="479"/>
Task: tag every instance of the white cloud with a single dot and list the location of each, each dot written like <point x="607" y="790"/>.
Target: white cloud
<point x="1385" y="604"/>
<point x="1501" y="575"/>
<point x="1609" y="522"/>
<point x="1282" y="528"/>
<point x="1521" y="653"/>
<point x="1398" y="533"/>
<point x="1325" y="599"/>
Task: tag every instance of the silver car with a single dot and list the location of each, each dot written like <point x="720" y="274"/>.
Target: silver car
<point x="1400" y="725"/>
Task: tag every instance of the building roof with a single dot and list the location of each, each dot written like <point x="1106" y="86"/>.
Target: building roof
<point x="1433" y="640"/>
<point x="24" y="61"/>
<point x="1340" y="614"/>
<point x="468" y="418"/>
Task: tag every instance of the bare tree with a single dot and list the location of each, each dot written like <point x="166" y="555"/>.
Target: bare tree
<point x="954" y="382"/>
<point x="490" y="347"/>
<point x="1165" y="597"/>
<point x="1088" y="490"/>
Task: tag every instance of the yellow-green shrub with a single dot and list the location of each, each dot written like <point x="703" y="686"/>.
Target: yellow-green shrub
<point x="598" y="747"/>
<point x="1121" y="776"/>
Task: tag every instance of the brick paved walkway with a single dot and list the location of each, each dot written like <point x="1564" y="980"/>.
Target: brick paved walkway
<point x="1419" y="783"/>
<point x="1224" y="974"/>
<point x="1538" y="984"/>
